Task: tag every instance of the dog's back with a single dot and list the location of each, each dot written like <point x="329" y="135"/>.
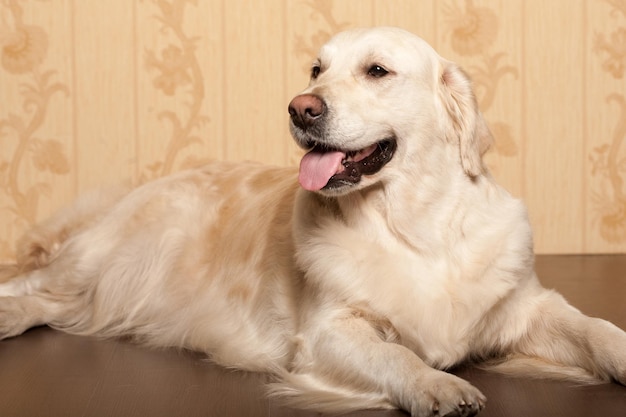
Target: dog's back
<point x="202" y="260"/>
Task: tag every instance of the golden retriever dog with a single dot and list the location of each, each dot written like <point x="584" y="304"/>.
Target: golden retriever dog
<point x="389" y="257"/>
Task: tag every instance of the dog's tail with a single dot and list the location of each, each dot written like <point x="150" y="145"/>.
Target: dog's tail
<point x="305" y="391"/>
<point x="536" y="368"/>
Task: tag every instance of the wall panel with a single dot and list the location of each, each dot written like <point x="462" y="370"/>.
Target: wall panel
<point x="254" y="100"/>
<point x="180" y="80"/>
<point x="38" y="167"/>
<point x="134" y="90"/>
<point x="416" y="16"/>
<point x="604" y="171"/>
<point x="485" y="37"/>
<point x="553" y="158"/>
<point x="103" y="91"/>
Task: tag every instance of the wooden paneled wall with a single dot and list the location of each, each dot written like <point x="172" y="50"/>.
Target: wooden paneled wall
<point x="99" y="92"/>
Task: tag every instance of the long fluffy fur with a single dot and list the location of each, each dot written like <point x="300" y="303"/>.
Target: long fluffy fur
<point x="353" y="297"/>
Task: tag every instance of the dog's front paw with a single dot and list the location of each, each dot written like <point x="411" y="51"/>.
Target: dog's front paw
<point x="442" y="394"/>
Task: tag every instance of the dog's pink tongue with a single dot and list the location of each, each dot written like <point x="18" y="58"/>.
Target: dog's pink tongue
<point x="317" y="167"/>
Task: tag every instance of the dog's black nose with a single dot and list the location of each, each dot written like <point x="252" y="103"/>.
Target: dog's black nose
<point x="305" y="109"/>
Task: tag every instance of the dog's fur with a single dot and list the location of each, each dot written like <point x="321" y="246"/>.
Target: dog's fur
<point x="353" y="296"/>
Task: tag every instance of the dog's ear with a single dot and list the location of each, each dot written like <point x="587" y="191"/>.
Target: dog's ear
<point x="468" y="127"/>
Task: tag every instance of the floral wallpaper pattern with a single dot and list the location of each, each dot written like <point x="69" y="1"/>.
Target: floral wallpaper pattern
<point x="131" y="90"/>
<point x="23" y="57"/>
<point x="608" y="161"/>
<point x="613" y="47"/>
<point x="178" y="74"/>
<point x="472" y="32"/>
<point x="321" y="11"/>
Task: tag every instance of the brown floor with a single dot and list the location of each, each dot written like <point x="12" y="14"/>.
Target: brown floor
<point x="48" y="373"/>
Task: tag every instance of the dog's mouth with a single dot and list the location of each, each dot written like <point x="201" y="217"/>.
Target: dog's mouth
<point x="324" y="168"/>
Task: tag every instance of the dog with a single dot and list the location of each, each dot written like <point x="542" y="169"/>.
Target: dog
<point x="389" y="256"/>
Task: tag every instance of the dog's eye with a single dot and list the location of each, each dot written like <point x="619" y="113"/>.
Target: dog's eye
<point x="377" y="71"/>
<point x="315" y="71"/>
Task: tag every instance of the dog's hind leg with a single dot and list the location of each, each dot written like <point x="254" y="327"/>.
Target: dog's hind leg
<point x="39" y="245"/>
<point x="23" y="306"/>
<point x="26" y="284"/>
<point x="36" y="298"/>
<point x="18" y="314"/>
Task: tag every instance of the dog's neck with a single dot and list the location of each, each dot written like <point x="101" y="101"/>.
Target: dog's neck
<point x="421" y="214"/>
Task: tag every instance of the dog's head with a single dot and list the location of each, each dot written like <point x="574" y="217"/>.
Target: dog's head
<point x="380" y="98"/>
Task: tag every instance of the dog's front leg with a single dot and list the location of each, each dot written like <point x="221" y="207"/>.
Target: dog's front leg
<point x="559" y="333"/>
<point x="350" y="350"/>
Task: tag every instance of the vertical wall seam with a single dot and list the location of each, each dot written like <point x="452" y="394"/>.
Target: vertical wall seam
<point x="74" y="97"/>
<point x="523" y="115"/>
<point x="285" y="57"/>
<point x="224" y="51"/>
<point x="585" y="129"/>
<point x="137" y="168"/>
<point x="435" y="25"/>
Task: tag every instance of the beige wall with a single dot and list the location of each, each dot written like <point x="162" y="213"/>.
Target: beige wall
<point x="96" y="92"/>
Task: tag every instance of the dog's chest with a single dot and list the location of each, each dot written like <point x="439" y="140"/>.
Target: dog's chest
<point x="434" y="305"/>
<point x="434" y="308"/>
<point x="435" y="293"/>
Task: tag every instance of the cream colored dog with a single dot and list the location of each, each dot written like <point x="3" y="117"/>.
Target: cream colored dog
<point x="397" y="257"/>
